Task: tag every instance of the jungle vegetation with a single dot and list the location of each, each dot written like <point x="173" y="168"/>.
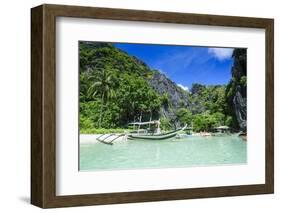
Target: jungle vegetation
<point x="115" y="90"/>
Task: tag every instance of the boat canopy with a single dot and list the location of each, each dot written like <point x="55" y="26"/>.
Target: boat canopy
<point x="222" y="127"/>
<point x="145" y="123"/>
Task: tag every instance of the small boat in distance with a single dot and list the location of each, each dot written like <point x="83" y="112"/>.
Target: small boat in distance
<point x="144" y="134"/>
<point x="221" y="131"/>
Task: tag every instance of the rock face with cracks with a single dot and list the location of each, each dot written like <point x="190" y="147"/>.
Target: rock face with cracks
<point x="178" y="97"/>
<point x="238" y="87"/>
<point x="240" y="108"/>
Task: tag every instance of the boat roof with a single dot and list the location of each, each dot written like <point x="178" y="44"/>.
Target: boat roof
<point x="222" y="127"/>
<point x="144" y="123"/>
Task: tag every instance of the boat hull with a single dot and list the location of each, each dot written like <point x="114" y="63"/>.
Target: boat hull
<point x="163" y="136"/>
<point x="152" y="137"/>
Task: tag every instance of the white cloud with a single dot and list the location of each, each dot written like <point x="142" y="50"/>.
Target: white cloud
<point x="221" y="53"/>
<point x="183" y="87"/>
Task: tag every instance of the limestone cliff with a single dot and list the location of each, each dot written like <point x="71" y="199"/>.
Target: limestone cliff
<point x="237" y="88"/>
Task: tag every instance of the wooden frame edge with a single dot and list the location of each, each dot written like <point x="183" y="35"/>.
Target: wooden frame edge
<point x="43" y="104"/>
<point x="269" y="105"/>
<point x="36" y="106"/>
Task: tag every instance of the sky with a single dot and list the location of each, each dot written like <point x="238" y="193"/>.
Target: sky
<point x="185" y="65"/>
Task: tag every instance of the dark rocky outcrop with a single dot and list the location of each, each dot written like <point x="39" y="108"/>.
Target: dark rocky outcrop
<point x="237" y="88"/>
<point x="178" y="97"/>
<point x="240" y="107"/>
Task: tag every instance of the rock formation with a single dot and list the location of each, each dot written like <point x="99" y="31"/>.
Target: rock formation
<point x="237" y="88"/>
<point x="178" y="97"/>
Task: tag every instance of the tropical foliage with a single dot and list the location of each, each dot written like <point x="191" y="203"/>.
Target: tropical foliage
<point x="115" y="90"/>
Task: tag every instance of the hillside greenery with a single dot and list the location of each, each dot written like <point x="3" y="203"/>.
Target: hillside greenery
<point x="115" y="90"/>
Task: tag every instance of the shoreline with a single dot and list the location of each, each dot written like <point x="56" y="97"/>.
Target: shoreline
<point x="92" y="138"/>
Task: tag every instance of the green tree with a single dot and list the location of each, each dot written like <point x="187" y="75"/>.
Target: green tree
<point x="219" y="118"/>
<point x="102" y="85"/>
<point x="184" y="116"/>
<point x="165" y="124"/>
<point x="204" y="122"/>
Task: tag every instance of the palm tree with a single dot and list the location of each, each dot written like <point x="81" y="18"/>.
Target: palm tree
<point x="83" y="86"/>
<point x="103" y="86"/>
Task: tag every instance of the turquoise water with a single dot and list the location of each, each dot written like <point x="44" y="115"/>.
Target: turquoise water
<point x="172" y="153"/>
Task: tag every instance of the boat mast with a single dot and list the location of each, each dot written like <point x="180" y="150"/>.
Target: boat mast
<point x="140" y="122"/>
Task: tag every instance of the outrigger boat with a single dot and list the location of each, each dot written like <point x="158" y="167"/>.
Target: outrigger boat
<point x="146" y="135"/>
<point x="221" y="131"/>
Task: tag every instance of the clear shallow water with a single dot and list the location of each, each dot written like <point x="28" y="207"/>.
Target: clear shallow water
<point x="185" y="152"/>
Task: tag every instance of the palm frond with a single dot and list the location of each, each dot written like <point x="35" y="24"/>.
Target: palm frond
<point x="97" y="84"/>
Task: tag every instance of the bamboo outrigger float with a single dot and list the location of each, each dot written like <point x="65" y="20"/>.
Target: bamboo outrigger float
<point x="109" y="138"/>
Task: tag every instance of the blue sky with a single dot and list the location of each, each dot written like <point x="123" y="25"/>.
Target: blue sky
<point x="185" y="65"/>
